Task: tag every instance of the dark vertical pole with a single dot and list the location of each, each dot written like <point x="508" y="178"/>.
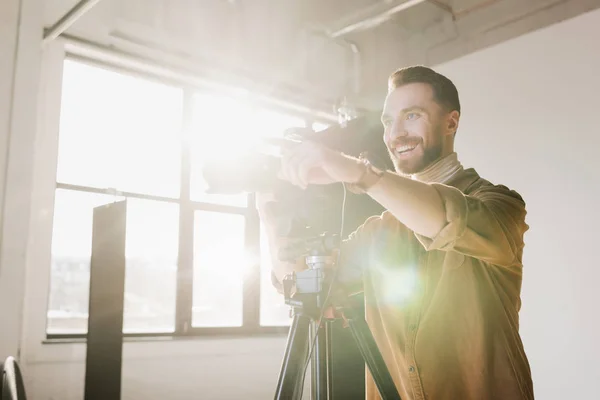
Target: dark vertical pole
<point x="320" y="383"/>
<point x="106" y="305"/>
<point x="291" y="375"/>
<point x="373" y="358"/>
<point x="328" y="337"/>
<point x="251" y="288"/>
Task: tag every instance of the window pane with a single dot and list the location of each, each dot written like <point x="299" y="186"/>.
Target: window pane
<point x="219" y="265"/>
<point x="71" y="252"/>
<point x="151" y="275"/>
<point x="223" y="129"/>
<point x="151" y="254"/>
<point x="273" y="310"/>
<point x="119" y="131"/>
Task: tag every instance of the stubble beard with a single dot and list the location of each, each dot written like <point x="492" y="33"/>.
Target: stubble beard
<point x="430" y="155"/>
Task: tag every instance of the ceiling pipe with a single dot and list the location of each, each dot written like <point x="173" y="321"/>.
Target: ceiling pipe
<point x="377" y="17"/>
<point x="443" y="6"/>
<point x="374" y="20"/>
<point x="345" y="106"/>
<point x="356" y="62"/>
<point x="350" y="46"/>
<point x="68" y="19"/>
<point x="466" y="11"/>
<point x="380" y="17"/>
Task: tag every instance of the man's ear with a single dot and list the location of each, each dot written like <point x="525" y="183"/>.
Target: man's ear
<point x="452" y="122"/>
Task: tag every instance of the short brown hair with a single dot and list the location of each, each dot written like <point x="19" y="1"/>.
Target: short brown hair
<point x="444" y="91"/>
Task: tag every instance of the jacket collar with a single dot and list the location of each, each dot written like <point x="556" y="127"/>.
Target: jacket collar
<point x="464" y="179"/>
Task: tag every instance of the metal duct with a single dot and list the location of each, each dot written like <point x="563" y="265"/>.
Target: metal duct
<point x="68" y="19"/>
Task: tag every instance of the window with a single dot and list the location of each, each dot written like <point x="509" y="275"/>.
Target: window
<point x="151" y="262"/>
<point x="192" y="257"/>
<point x="119" y="131"/>
<point x="220" y="262"/>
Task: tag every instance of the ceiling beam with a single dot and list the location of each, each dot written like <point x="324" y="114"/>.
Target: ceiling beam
<point x="68" y="19"/>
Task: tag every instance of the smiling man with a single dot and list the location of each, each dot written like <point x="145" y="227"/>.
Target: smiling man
<point x="441" y="268"/>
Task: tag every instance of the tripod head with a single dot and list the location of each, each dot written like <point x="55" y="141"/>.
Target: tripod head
<point x="309" y="287"/>
<point x="317" y="246"/>
<point x="308" y="292"/>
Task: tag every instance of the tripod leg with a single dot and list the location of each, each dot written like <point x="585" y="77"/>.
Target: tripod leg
<point x="291" y="375"/>
<point x="373" y="358"/>
<point x="328" y="328"/>
<point x="319" y="362"/>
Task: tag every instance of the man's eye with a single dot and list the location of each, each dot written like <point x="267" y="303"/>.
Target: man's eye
<point x="411" y="116"/>
<point x="386" y="122"/>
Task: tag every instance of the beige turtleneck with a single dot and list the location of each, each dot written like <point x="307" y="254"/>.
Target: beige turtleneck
<point x="441" y="171"/>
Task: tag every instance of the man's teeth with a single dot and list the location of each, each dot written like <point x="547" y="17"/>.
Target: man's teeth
<point x="402" y="149"/>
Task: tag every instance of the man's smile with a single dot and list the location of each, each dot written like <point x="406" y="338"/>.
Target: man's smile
<point x="404" y="150"/>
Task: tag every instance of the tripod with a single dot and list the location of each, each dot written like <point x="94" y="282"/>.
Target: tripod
<point x="311" y="289"/>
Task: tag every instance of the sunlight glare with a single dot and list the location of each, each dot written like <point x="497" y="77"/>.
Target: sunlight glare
<point x="399" y="285"/>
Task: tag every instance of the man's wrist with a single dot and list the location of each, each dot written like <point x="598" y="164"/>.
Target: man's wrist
<point x="369" y="176"/>
<point x="359" y="171"/>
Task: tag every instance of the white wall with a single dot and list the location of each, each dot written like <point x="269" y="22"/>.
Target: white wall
<point x="530" y="121"/>
<point x="9" y="11"/>
<point x="20" y="54"/>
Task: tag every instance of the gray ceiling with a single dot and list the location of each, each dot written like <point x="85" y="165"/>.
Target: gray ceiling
<point x="310" y="49"/>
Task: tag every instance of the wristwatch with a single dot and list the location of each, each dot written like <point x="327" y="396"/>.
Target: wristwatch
<point x="370" y="176"/>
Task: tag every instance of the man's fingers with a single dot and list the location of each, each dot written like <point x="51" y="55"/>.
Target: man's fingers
<point x="289" y="168"/>
<point x="305" y="167"/>
<point x="265" y="197"/>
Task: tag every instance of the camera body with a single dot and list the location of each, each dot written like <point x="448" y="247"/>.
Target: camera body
<point x="307" y="213"/>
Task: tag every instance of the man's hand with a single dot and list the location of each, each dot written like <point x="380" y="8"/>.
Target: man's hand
<point x="310" y="163"/>
<point x="265" y="203"/>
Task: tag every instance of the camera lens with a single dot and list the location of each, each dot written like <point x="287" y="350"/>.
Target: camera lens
<point x="250" y="173"/>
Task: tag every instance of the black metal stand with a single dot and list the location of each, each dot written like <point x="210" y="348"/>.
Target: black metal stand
<point x="311" y="289"/>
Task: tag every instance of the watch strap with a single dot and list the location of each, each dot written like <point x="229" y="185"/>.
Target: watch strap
<point x="370" y="176"/>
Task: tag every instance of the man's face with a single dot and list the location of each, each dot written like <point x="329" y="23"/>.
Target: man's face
<point x="415" y="126"/>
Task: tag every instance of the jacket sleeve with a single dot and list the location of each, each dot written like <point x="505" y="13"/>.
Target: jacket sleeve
<point x="488" y="224"/>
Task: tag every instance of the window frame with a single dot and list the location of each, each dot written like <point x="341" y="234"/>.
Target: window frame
<point x="183" y="327"/>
